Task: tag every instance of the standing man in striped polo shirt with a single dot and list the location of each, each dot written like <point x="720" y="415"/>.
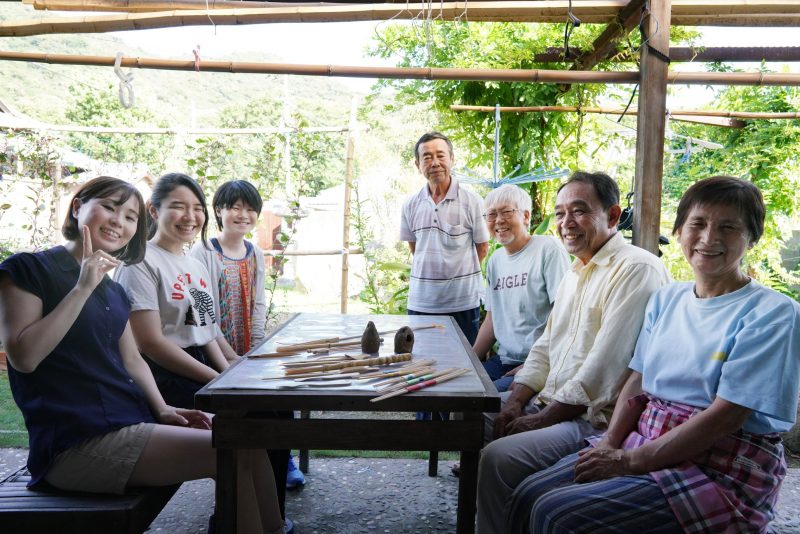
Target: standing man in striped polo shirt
<point x="448" y="239"/>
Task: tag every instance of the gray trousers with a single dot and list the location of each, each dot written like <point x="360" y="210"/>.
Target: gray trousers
<point x="505" y="463"/>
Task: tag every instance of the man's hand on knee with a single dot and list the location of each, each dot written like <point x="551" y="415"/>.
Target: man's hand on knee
<point x="525" y="423"/>
<point x="509" y="413"/>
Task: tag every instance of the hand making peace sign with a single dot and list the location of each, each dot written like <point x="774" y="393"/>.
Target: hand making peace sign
<point x="94" y="265"/>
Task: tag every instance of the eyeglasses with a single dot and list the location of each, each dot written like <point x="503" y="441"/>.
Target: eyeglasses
<point x="492" y="216"/>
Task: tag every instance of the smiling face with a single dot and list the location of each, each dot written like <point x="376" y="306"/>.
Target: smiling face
<point x="714" y="239"/>
<point x="434" y="161"/>
<point x="508" y="225"/>
<point x="582" y="223"/>
<point x="180" y="218"/>
<point x="111" y="224"/>
<point x="239" y="219"/>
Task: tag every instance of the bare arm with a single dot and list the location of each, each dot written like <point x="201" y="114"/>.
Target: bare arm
<point x="141" y="374"/>
<point x="682" y="443"/>
<point x="146" y="327"/>
<point x="216" y="356"/>
<point x="691" y="438"/>
<point x="485" y="339"/>
<point x="481" y="249"/>
<point x="27" y="336"/>
<point x="413" y="246"/>
<point x="227" y="351"/>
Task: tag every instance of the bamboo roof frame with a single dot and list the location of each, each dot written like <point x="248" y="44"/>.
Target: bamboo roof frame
<point x="679" y="54"/>
<point x="616" y="111"/>
<point x="725" y="119"/>
<point x="683" y="13"/>
<point x="422" y="73"/>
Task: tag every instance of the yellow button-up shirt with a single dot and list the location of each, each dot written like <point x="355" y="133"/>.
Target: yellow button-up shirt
<point x="583" y="355"/>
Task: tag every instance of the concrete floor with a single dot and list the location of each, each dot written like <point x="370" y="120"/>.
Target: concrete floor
<point x="367" y="495"/>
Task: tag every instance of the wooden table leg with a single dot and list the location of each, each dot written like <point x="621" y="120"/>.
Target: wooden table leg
<point x="226" y="490"/>
<point x="303" y="453"/>
<point x="467" y="492"/>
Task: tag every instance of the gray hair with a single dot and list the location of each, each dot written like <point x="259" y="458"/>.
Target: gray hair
<point x="509" y="194"/>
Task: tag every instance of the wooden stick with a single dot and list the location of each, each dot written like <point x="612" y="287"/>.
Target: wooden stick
<point x="405" y="382"/>
<point x="422" y="385"/>
<point x="397" y="371"/>
<point x="355" y="337"/>
<point x="401" y="379"/>
<point x="380" y="360"/>
<point x="310" y="342"/>
<point x="321" y="345"/>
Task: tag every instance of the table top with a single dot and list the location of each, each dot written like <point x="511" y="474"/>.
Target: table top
<point x="243" y="386"/>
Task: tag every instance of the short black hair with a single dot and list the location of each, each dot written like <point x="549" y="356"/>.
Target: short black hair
<point x="725" y="191"/>
<point x="430" y="136"/>
<point x="163" y="187"/>
<point x="605" y="186"/>
<point x="231" y="192"/>
<point x="104" y="187"/>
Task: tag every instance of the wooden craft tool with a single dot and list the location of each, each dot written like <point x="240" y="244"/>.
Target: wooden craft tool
<point x="380" y="360"/>
<point x="404" y="382"/>
<point x="422" y="385"/>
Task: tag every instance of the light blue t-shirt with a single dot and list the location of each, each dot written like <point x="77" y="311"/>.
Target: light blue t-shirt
<point x="520" y="290"/>
<point x="743" y="346"/>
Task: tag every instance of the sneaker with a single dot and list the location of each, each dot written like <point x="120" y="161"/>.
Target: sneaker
<point x="288" y="526"/>
<point x="294" y="477"/>
<point x="455" y="469"/>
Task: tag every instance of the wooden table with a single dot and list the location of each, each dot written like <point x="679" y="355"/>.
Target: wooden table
<point x="237" y="395"/>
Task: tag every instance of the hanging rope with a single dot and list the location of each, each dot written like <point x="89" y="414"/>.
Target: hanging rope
<point x="646" y="40"/>
<point x="572" y="23"/>
<point x="126" y="96"/>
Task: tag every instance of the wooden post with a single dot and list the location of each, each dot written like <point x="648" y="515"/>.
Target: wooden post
<point x="348" y="185"/>
<point x="650" y="127"/>
<point x="56" y="213"/>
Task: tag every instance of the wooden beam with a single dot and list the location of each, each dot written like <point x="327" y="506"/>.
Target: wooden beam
<point x="696" y="55"/>
<point x="684" y="12"/>
<point x="650" y="127"/>
<point x="606" y="43"/>
<point x="418" y="73"/>
<point x="145" y="6"/>
<point x="711" y="117"/>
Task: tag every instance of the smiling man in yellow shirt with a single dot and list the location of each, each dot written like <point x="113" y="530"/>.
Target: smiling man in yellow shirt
<point x="567" y="387"/>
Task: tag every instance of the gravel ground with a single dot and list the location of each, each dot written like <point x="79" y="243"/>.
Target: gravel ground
<point x="369" y="495"/>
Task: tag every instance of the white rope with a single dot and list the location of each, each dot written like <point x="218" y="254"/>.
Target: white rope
<point x="126" y="96"/>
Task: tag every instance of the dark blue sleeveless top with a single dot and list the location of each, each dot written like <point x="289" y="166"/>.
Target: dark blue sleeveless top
<point x="80" y="390"/>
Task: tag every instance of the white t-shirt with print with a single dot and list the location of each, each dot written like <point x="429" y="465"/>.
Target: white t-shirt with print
<point x="178" y="287"/>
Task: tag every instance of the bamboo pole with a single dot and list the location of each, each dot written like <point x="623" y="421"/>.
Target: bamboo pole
<point x="632" y="111"/>
<point x="143" y="6"/>
<point x="21" y="124"/>
<point x="651" y="127"/>
<point x="348" y="185"/>
<point x="427" y="73"/>
<point x="684" y="12"/>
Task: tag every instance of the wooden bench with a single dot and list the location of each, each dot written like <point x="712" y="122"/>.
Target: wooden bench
<point x="51" y="510"/>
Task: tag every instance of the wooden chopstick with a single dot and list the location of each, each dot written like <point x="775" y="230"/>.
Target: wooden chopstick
<point x="402" y="383"/>
<point x="380" y="360"/>
<point x="422" y="385"/>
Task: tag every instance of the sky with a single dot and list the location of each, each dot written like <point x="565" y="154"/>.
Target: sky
<point x="344" y="43"/>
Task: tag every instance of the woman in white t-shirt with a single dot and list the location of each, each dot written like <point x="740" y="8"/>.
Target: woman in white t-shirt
<point x="172" y="308"/>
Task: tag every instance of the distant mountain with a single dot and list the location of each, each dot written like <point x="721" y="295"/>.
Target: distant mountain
<point x="41" y="90"/>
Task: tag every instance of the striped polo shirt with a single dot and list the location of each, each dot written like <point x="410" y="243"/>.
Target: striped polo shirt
<point x="445" y="272"/>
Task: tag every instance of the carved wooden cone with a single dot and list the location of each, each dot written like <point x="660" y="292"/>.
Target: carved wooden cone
<point x="403" y="340"/>
<point x="370" y="340"/>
